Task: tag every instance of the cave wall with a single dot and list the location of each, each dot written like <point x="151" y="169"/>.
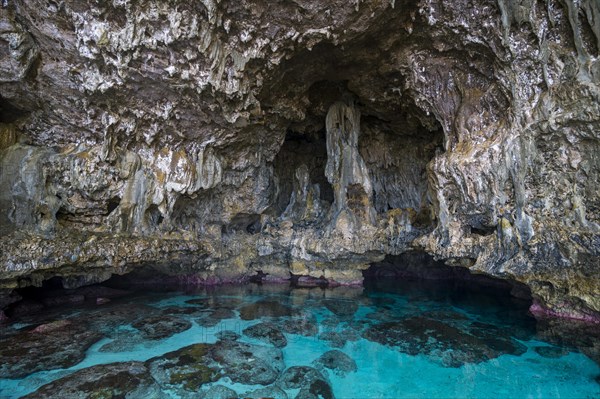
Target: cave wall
<point x="135" y="132"/>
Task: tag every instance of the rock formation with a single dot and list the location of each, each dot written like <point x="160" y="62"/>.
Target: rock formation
<point x="216" y="139"/>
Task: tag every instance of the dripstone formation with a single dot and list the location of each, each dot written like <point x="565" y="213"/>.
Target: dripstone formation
<point x="215" y="140"/>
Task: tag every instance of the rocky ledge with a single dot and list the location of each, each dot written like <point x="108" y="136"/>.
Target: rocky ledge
<point x="220" y="140"/>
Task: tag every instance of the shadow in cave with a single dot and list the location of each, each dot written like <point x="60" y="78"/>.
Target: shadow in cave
<point x="417" y="275"/>
<point x="39" y="303"/>
<point x="10" y="113"/>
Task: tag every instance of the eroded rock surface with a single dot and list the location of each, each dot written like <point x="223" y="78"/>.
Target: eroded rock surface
<point x="221" y="140"/>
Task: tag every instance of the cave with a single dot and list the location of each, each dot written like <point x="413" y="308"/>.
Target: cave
<point x="396" y="150"/>
<point x="298" y="149"/>
<point x="419" y="269"/>
<point x="415" y="179"/>
<point x="10" y="113"/>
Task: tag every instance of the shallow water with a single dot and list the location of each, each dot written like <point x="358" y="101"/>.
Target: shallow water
<point x="402" y="340"/>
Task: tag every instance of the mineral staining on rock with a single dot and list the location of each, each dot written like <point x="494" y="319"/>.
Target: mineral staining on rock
<point x="219" y="139"/>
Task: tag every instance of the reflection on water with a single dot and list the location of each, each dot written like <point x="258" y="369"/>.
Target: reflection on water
<point x="392" y="339"/>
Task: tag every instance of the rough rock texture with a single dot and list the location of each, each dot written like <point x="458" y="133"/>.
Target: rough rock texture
<point x="217" y="139"/>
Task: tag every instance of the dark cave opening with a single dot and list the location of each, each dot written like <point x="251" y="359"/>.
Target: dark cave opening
<point x="36" y="299"/>
<point x="412" y="270"/>
<point x="243" y="222"/>
<point x="299" y="149"/>
<point x="112" y="204"/>
<point x="153" y="216"/>
<point x="38" y="302"/>
<point x="397" y="143"/>
<point x="10" y="113"/>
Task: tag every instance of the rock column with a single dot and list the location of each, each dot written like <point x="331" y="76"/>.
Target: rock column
<point x="346" y="170"/>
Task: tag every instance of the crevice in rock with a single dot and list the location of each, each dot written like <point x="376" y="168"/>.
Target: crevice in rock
<point x="154" y="216"/>
<point x="588" y="37"/>
<point x="243" y="222"/>
<point x="10" y="113"/>
<point x="112" y="204"/>
<point x="483" y="231"/>
<point x="306" y="151"/>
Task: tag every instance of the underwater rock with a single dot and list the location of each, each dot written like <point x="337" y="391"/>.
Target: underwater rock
<point x="111" y="317"/>
<point x="272" y="392"/>
<point x="339" y="336"/>
<point x="211" y="303"/>
<point x="333" y="338"/>
<point x="451" y="346"/>
<point x="219" y="392"/>
<point x="221" y="314"/>
<point x="579" y="335"/>
<point x="113" y="380"/>
<point x="264" y="308"/>
<point x="160" y="327"/>
<point x="551" y="352"/>
<point x="181" y="310"/>
<point x="297" y="377"/>
<point x="336" y="361"/>
<point x="268" y="333"/>
<point x="311" y="382"/>
<point x="340" y="307"/>
<point x="213" y="317"/>
<point x="188" y="368"/>
<point x="318" y="389"/>
<point x="208" y="322"/>
<point x="60" y="344"/>
<point x="227" y="335"/>
<point x="248" y="364"/>
<point x="300" y="325"/>
<point x="123" y="341"/>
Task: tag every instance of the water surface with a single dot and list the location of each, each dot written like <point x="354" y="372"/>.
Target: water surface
<point x="391" y="339"/>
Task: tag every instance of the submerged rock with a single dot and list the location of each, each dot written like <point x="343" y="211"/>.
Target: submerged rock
<point x="227" y="335"/>
<point x="272" y="392"/>
<point x="219" y="392"/>
<point x="56" y="345"/>
<point x="268" y="333"/>
<point x="451" y="346"/>
<point x="336" y="361"/>
<point x="248" y="364"/>
<point x="551" y="352"/>
<point x="188" y="368"/>
<point x="160" y="327"/>
<point x="297" y="377"/>
<point x="114" y="380"/>
<point x="213" y="317"/>
<point x="311" y="382"/>
<point x="318" y="389"/>
<point x="340" y="307"/>
<point x="264" y="308"/>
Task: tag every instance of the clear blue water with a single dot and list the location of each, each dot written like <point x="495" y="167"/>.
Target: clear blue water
<point x="417" y="340"/>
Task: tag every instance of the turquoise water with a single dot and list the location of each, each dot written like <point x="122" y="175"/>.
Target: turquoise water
<point x="417" y="340"/>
